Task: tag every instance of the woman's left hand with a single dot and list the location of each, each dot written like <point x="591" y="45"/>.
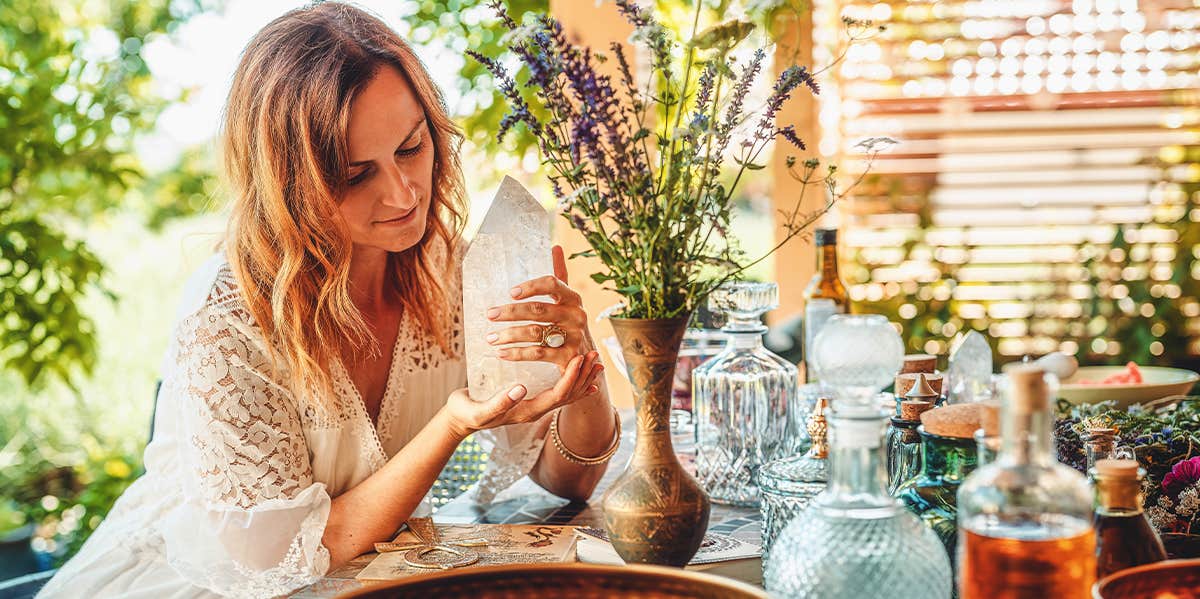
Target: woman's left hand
<point x="566" y="313"/>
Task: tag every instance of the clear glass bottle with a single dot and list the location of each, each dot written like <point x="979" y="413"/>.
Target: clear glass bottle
<point x="789" y="484"/>
<point x="854" y="540"/>
<point x="1124" y="537"/>
<point x="1099" y="443"/>
<point x="824" y="296"/>
<point x="987" y="438"/>
<point x="904" y="443"/>
<point x="744" y="400"/>
<point x="1025" y="520"/>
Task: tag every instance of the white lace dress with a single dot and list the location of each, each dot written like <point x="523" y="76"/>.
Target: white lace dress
<point x="239" y="475"/>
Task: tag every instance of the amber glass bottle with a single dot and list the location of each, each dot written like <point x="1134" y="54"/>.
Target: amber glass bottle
<point x="1124" y="537"/>
<point x="1025" y="521"/>
<point x="825" y="294"/>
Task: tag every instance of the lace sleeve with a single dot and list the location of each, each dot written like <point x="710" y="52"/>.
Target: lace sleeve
<point x="252" y="518"/>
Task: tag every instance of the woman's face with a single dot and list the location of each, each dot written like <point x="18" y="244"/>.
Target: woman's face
<point x="387" y="193"/>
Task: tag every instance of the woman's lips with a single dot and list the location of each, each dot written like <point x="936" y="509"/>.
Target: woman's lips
<point x="399" y="220"/>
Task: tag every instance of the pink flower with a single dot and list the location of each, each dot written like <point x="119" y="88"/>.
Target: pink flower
<point x="1182" y="474"/>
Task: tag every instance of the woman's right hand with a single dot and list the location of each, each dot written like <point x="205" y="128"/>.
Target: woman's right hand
<point x="509" y="406"/>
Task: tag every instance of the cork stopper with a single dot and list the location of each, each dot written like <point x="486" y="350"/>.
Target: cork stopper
<point x="905" y="382"/>
<point x="1127" y="469"/>
<point x="989" y="418"/>
<point x="818" y="430"/>
<point x="923" y="363"/>
<point x="911" y="409"/>
<point x="957" y="420"/>
<point x="1118" y="484"/>
<point x="1028" y="389"/>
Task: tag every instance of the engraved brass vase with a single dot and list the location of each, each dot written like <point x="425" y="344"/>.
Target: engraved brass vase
<point x="655" y="512"/>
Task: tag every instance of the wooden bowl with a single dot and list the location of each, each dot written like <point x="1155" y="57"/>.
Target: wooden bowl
<point x="577" y="581"/>
<point x="1172" y="579"/>
<point x="1158" y="383"/>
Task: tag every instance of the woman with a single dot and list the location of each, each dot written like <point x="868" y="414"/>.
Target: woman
<point x="308" y="401"/>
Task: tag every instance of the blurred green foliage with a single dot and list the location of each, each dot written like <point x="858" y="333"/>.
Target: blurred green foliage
<point x="74" y="94"/>
<point x="462" y="24"/>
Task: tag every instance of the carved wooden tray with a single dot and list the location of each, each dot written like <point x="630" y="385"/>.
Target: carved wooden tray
<point x="576" y="581"/>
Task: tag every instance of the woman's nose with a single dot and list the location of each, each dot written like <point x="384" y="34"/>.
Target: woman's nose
<point x="400" y="191"/>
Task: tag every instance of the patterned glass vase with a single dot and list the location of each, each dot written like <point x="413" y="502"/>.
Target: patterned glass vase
<point x="745" y="401"/>
<point x="854" y="540"/>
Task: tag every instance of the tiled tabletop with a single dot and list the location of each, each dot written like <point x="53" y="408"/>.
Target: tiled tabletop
<point x="527" y="503"/>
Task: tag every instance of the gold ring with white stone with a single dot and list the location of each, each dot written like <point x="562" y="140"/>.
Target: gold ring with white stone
<point x="553" y="336"/>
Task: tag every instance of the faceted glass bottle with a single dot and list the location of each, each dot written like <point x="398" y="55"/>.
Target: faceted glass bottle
<point x="1124" y="537"/>
<point x="789" y="484"/>
<point x="1025" y="521"/>
<point x="745" y="401"/>
<point x="824" y="296"/>
<point x="854" y="540"/>
<point x="933" y="496"/>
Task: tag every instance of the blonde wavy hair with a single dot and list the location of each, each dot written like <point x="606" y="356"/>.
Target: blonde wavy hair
<point x="286" y="159"/>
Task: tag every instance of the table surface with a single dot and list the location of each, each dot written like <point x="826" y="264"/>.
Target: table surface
<point x="527" y="503"/>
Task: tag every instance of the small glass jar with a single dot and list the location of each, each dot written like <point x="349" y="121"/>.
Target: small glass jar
<point x="789" y="484"/>
<point x="1099" y="443"/>
<point x="745" y="399"/>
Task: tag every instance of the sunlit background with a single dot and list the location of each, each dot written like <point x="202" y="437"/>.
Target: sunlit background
<point x="1045" y="192"/>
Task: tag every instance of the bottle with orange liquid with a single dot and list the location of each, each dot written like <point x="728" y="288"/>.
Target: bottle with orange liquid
<point x="1025" y="521"/>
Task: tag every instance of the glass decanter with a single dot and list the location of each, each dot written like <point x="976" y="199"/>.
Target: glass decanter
<point x="744" y="400"/>
<point x="933" y="495"/>
<point x="854" y="540"/>
<point x="1124" y="537"/>
<point x="789" y="484"/>
<point x="1025" y="520"/>
<point x="857" y="355"/>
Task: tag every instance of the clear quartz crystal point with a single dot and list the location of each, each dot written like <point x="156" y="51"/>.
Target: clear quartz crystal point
<point x="854" y="540"/>
<point x="970" y="374"/>
<point x="745" y="403"/>
<point x="512" y="247"/>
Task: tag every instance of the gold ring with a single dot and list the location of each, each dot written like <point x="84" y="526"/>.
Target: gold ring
<point x="553" y="336"/>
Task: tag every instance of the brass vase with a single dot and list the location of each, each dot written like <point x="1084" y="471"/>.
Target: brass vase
<point x="655" y="512"/>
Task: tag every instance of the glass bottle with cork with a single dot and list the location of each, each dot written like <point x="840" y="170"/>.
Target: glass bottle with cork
<point x="1124" y="537"/>
<point x="1025" y="521"/>
<point x="824" y="296"/>
<point x="903" y="442"/>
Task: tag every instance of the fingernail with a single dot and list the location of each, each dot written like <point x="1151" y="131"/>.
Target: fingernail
<point x="515" y="292"/>
<point x="599" y="367"/>
<point x="492" y="337"/>
<point x="592" y="389"/>
<point x="493" y="312"/>
<point x="516" y="392"/>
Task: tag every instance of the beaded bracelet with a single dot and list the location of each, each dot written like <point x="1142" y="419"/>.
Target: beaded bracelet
<point x="575" y="458"/>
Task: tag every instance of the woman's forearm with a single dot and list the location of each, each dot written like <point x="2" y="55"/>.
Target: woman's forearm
<point x="586" y="427"/>
<point x="373" y="510"/>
